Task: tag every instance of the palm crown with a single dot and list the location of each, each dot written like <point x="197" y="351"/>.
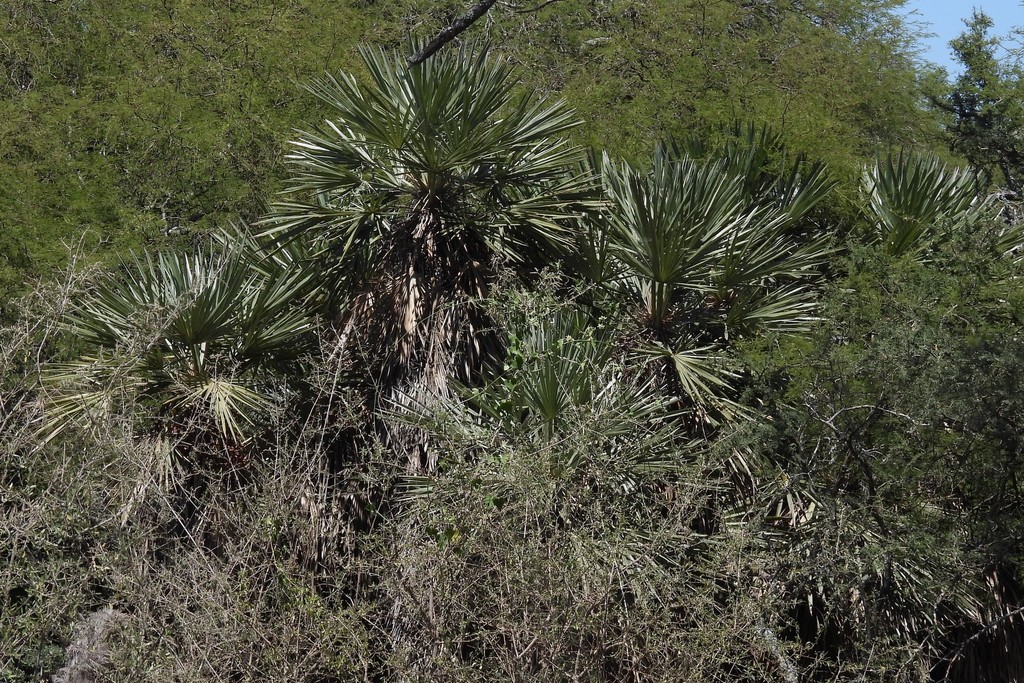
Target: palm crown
<point x="209" y="338"/>
<point x="706" y="251"/>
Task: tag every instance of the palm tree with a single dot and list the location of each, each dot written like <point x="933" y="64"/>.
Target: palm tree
<point x="913" y="200"/>
<point x="705" y="252"/>
<point x="211" y="341"/>
<point x="421" y="182"/>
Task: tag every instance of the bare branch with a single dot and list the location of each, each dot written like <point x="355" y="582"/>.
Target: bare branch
<point x="449" y="33"/>
<point x="537" y="7"/>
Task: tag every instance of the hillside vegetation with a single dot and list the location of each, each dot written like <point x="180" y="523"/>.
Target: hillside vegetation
<point x="616" y="341"/>
<point x="128" y="126"/>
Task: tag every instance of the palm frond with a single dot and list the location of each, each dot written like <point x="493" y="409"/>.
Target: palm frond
<point x="447" y="134"/>
<point x="669" y="224"/>
<point x="771" y="176"/>
<point x="204" y="334"/>
<point x="912" y="199"/>
<point x="688" y="231"/>
<point x="704" y="377"/>
<point x="234" y="407"/>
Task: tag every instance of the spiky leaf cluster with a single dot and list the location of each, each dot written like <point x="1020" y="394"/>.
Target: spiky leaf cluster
<point x="209" y="339"/>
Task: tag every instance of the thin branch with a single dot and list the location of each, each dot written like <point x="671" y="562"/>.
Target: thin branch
<point x="537" y="7"/>
<point x="449" y="33"/>
<point x="830" y="422"/>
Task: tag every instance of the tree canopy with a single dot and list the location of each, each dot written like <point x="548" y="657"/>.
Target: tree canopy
<point x="985" y="105"/>
<point x="129" y="125"/>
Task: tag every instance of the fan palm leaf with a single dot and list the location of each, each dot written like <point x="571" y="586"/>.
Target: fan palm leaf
<point x="769" y="174"/>
<point x="912" y="199"/>
<point x="561" y="384"/>
<point x="206" y="338"/>
<point x="707" y="251"/>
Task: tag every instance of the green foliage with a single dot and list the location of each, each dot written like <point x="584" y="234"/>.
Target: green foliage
<point x="445" y="141"/>
<point x="770" y="177"/>
<point x="554" y="542"/>
<point x="834" y="78"/>
<point x="126" y="126"/>
<point x="985" y="105"/>
<point x="412" y="457"/>
<point x="899" y="419"/>
<point x="560" y="376"/>
<point x="916" y="200"/>
<point x="210" y="339"/>
<point x="705" y="252"/>
<point x="427" y="178"/>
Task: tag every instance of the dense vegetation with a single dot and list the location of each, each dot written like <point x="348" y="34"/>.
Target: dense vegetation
<point x="624" y="341"/>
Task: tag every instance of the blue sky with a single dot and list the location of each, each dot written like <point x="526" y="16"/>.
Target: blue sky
<point x="945" y="19"/>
